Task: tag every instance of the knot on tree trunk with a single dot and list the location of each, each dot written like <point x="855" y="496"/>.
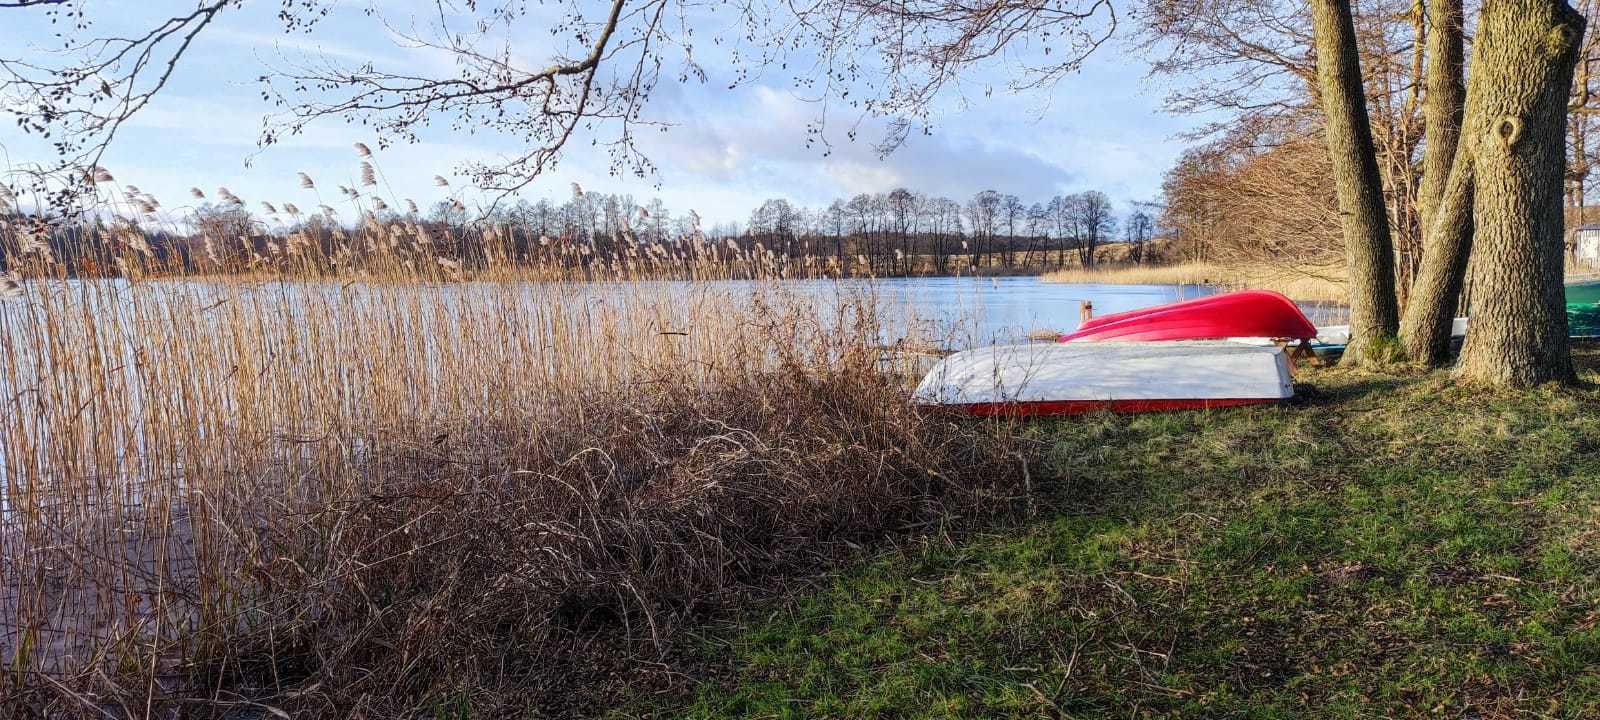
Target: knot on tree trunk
<point x="1560" y="39"/>
<point x="1507" y="131"/>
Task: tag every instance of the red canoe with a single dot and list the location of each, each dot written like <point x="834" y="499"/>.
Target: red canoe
<point x="1247" y="313"/>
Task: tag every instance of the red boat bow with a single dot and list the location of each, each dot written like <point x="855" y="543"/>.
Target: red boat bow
<point x="1247" y="313"/>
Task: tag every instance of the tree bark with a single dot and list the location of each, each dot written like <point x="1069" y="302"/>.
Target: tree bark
<point x="1523" y="58"/>
<point x="1369" y="250"/>
<point x="1443" y="103"/>
<point x="1446" y="218"/>
<point x="1425" y="329"/>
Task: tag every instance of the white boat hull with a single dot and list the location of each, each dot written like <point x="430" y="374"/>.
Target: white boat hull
<point x="1069" y="378"/>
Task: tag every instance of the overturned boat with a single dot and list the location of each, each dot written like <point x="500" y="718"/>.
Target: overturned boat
<point x="1071" y="378"/>
<point x="1243" y="314"/>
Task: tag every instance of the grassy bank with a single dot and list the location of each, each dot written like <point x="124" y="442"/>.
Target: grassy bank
<point x="1383" y="547"/>
<point x="1299" y="286"/>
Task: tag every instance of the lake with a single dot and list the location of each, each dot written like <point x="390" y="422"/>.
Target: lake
<point x="975" y="311"/>
<point x="968" y="311"/>
<point x="980" y="311"/>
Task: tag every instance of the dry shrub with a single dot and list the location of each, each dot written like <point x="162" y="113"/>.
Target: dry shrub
<point x="1252" y="200"/>
<point x="626" y="528"/>
<point x="371" y="493"/>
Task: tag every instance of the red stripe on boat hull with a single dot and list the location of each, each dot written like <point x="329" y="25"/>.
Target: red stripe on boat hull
<point x="1044" y="408"/>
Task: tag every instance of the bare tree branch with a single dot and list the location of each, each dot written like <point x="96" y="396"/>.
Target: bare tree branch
<point x="888" y="60"/>
<point x="81" y="106"/>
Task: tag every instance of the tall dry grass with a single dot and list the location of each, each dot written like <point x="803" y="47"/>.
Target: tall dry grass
<point x="364" y="474"/>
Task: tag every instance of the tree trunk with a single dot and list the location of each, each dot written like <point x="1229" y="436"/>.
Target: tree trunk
<point x="1523" y="58"/>
<point x="1425" y="329"/>
<point x="1443" y="104"/>
<point x="1369" y="251"/>
<point x="1447" y="231"/>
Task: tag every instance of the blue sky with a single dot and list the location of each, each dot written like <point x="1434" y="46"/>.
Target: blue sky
<point x="727" y="150"/>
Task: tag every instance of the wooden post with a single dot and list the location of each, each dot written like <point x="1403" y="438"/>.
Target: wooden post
<point x="1085" y="310"/>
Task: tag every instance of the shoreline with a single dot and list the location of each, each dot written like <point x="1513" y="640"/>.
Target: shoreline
<point x="1316" y="285"/>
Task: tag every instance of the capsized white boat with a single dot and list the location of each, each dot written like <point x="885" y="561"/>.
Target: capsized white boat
<point x="1071" y="378"/>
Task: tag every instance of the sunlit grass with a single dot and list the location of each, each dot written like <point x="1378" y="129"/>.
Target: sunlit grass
<point x="1385" y="546"/>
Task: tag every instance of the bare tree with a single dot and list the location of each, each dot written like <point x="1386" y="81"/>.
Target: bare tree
<point x="835" y="220"/>
<point x="1013" y="210"/>
<point x="983" y="216"/>
<point x="1369" y="252"/>
<point x="902" y="205"/>
<point x="1094" y="222"/>
<point x="1583" y="142"/>
<point x="946" y="222"/>
<point x="1256" y="203"/>
<point x="1252" y="64"/>
<point x="1038" y="228"/>
<point x="1139" y="229"/>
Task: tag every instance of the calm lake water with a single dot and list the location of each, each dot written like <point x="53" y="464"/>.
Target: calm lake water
<point x="978" y="311"/>
<point x="984" y="311"/>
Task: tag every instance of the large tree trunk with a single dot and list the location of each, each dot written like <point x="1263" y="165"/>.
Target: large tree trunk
<point x="1447" y="231"/>
<point x="1523" y="58"/>
<point x="1369" y="252"/>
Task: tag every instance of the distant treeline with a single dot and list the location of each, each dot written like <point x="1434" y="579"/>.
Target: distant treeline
<point x="900" y="232"/>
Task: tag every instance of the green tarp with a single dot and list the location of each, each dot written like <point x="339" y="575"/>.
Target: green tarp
<point x="1583" y="309"/>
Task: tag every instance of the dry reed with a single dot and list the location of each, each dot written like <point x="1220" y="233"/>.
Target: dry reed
<point x="340" y="471"/>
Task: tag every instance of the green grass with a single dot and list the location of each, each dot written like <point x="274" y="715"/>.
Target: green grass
<point x="1384" y="547"/>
